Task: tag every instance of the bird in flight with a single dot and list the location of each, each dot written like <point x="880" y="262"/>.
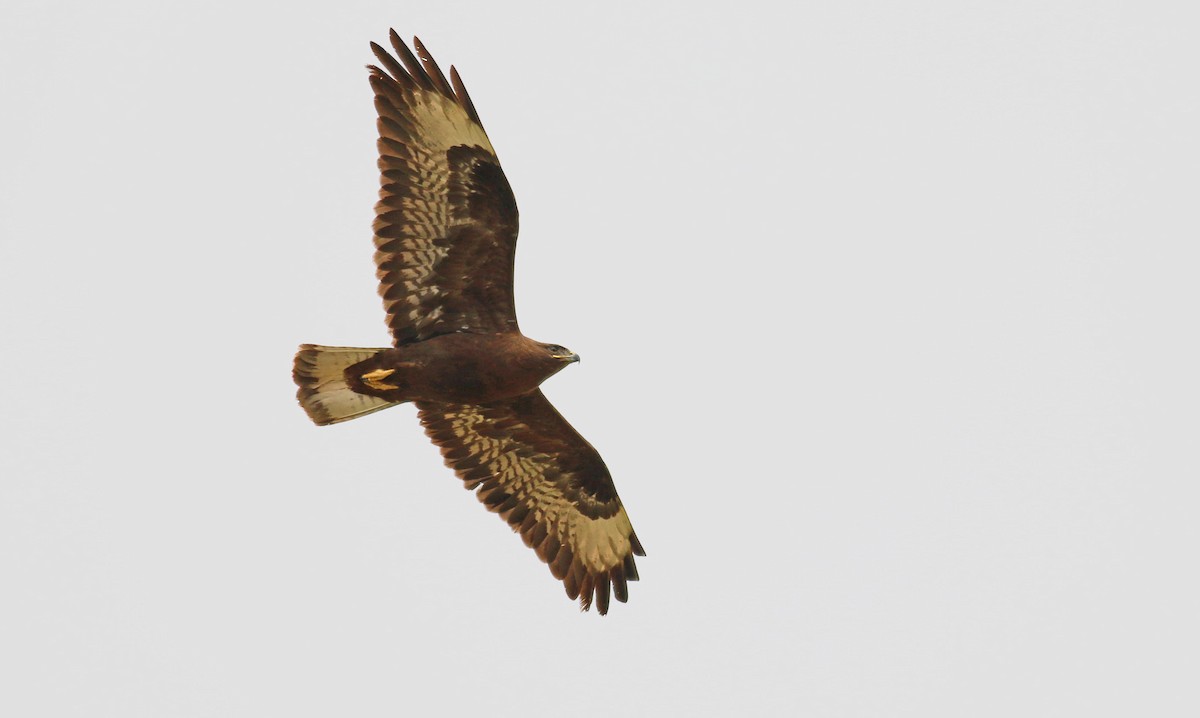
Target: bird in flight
<point x="445" y="238"/>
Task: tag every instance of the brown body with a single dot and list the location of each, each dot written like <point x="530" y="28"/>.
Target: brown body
<point x="461" y="368"/>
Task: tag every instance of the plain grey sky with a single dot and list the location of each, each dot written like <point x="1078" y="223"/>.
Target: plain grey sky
<point x="888" y="313"/>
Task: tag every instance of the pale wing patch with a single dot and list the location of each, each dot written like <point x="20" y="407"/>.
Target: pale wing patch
<point x="601" y="543"/>
<point x="443" y="123"/>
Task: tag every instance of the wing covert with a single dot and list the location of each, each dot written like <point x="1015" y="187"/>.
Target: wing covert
<point x="531" y="467"/>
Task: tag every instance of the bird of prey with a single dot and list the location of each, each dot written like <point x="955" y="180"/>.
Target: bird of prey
<point x="445" y="237"/>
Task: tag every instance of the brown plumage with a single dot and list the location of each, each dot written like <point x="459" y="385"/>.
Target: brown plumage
<point x="445" y="238"/>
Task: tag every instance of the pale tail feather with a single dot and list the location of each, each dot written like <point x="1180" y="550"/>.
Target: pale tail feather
<point x="323" y="393"/>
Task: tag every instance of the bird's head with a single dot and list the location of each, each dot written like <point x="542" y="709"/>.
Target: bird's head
<point x="560" y="353"/>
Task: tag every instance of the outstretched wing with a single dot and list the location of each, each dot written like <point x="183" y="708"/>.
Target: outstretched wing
<point x="543" y="478"/>
<point x="446" y="221"/>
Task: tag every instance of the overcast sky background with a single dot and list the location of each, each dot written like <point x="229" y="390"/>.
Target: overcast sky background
<point x="888" y="317"/>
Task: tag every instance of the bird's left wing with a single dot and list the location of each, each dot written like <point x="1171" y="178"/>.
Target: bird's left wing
<point x="531" y="467"/>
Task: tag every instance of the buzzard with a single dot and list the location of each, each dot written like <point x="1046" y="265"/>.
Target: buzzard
<point x="445" y="238"/>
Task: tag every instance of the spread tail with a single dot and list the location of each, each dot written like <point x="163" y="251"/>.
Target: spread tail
<point x="323" y="393"/>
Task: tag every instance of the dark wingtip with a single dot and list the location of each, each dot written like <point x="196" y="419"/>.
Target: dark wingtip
<point x="587" y="587"/>
<point x="620" y="587"/>
<point x="602" y="593"/>
<point x="460" y="92"/>
<point x="636" y="545"/>
<point x="630" y="567"/>
<point x="412" y="70"/>
<point x="432" y="69"/>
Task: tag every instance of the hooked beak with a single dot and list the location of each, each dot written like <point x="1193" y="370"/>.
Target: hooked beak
<point x="572" y="359"/>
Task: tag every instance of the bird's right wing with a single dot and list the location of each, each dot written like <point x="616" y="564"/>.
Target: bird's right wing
<point x="446" y="220"/>
<point x="531" y="467"/>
